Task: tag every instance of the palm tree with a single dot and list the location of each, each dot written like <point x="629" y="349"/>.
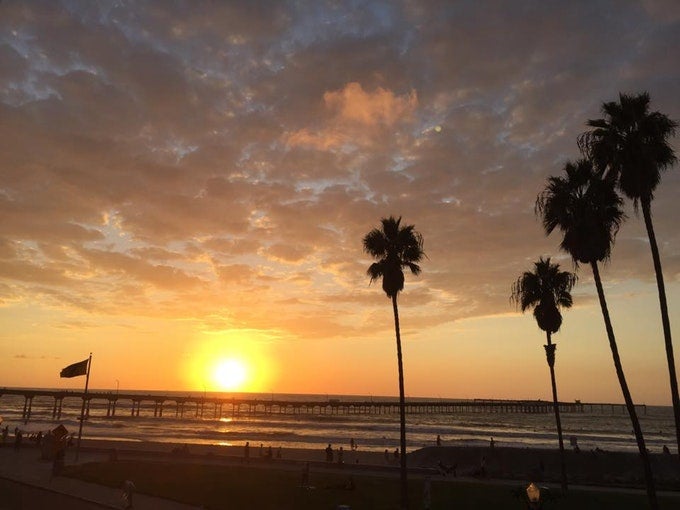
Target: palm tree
<point x="546" y="290"/>
<point x="395" y="247"/>
<point x="588" y="211"/>
<point x="630" y="145"/>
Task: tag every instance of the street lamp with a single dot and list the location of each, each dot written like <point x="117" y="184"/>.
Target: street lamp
<point x="534" y="495"/>
<point x="117" y="385"/>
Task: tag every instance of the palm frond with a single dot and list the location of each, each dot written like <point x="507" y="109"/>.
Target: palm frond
<point x="375" y="271"/>
<point x="630" y="145"/>
<point x="585" y="208"/>
<point x="546" y="289"/>
<point x="396" y="247"/>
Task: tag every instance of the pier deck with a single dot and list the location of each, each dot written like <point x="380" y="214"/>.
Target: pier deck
<point x="203" y="406"/>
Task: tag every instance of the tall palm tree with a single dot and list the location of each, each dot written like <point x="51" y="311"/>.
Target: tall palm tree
<point x="546" y="290"/>
<point x="630" y="145"/>
<point x="587" y="210"/>
<point x="395" y="247"/>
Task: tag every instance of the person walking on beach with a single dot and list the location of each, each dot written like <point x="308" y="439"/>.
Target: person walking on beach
<point x="58" y="463"/>
<point x="128" y="489"/>
<point x="329" y="453"/>
<point x="305" y="476"/>
<point x="439" y="440"/>
<point x="246" y="452"/>
<point x="340" y="455"/>
<point x="17" y="438"/>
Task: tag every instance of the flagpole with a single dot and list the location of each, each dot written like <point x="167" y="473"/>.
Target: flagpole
<point x="82" y="409"/>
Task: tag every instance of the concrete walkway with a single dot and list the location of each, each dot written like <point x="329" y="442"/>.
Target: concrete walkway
<point x="26" y="483"/>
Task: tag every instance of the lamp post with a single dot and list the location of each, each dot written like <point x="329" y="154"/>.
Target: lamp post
<point x="117" y="386"/>
<point x="534" y="496"/>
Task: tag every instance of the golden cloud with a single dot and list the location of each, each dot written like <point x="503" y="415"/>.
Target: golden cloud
<point x="353" y="107"/>
<point x="382" y="106"/>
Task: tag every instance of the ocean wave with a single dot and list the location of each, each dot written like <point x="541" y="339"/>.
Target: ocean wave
<point x="373" y="432"/>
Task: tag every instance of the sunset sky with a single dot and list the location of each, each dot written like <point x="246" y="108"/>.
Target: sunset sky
<point x="184" y="188"/>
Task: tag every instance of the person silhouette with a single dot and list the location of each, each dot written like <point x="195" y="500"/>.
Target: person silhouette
<point x="128" y="489"/>
<point x="305" y="476"/>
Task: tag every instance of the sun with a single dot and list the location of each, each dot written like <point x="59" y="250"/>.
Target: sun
<point x="235" y="360"/>
<point x="230" y="374"/>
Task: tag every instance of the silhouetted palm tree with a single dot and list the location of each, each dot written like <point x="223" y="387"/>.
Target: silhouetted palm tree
<point x="630" y="145"/>
<point x="546" y="290"/>
<point x="395" y="247"/>
<point x="588" y="211"/>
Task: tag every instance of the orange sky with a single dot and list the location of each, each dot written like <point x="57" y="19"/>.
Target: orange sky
<point x="185" y="185"/>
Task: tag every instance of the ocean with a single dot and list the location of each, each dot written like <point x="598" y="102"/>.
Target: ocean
<point x="375" y="432"/>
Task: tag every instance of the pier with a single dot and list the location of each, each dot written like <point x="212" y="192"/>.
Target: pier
<point x="112" y="404"/>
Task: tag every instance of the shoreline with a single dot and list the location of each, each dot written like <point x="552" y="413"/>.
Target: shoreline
<point x="233" y="453"/>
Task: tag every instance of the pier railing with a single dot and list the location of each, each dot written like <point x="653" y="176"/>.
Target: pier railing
<point x="203" y="406"/>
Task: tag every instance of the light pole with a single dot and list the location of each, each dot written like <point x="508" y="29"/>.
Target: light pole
<point x="534" y="496"/>
<point x="117" y="385"/>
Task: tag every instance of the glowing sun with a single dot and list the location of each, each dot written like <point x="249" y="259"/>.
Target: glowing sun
<point x="230" y="374"/>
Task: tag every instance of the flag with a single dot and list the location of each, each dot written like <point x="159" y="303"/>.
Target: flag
<point x="75" y="370"/>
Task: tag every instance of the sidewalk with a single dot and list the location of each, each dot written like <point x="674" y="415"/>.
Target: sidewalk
<point x="26" y="484"/>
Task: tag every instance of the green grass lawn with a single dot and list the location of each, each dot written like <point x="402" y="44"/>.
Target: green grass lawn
<point x="241" y="487"/>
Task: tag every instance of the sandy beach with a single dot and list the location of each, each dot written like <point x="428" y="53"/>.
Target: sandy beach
<point x="618" y="469"/>
<point x="598" y="468"/>
<point x="609" y="469"/>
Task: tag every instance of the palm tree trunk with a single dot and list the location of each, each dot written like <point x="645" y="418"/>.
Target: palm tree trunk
<point x="550" y="356"/>
<point x="402" y="410"/>
<point x="649" y="478"/>
<point x="665" y="321"/>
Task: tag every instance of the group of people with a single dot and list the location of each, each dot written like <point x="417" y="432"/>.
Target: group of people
<point x="330" y="455"/>
<point x="395" y="455"/>
<point x="18" y="436"/>
<point x="52" y="444"/>
<point x="36" y="437"/>
<point x="265" y="454"/>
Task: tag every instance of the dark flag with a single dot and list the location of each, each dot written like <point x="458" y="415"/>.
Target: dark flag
<point x="75" y="370"/>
